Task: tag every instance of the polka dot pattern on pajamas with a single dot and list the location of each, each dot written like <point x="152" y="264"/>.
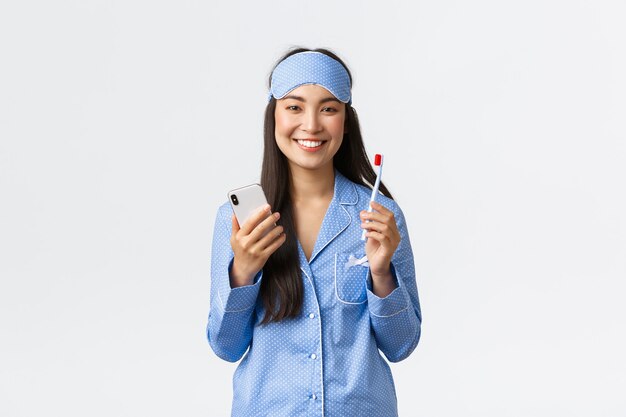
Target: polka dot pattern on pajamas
<point x="329" y="360"/>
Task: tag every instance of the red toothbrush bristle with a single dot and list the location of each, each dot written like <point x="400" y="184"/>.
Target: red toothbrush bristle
<point x="377" y="159"/>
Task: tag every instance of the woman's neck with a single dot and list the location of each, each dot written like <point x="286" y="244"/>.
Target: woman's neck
<point x="307" y="185"/>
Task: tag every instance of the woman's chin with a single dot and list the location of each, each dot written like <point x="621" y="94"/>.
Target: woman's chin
<point x="311" y="165"/>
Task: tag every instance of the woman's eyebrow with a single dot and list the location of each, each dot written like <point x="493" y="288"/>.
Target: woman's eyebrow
<point x="291" y="96"/>
<point x="324" y="100"/>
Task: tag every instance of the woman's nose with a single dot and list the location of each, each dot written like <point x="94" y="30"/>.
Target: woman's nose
<point x="311" y="122"/>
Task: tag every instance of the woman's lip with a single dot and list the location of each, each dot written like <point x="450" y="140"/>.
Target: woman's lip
<point x="317" y="148"/>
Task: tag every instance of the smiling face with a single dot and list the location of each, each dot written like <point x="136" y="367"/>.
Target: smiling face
<point x="309" y="127"/>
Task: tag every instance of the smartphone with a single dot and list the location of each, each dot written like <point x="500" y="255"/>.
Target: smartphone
<point x="245" y="201"/>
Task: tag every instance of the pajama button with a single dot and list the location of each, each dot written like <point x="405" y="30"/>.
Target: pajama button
<point x="313" y="356"/>
<point x="311" y="316"/>
<point x="314" y="397"/>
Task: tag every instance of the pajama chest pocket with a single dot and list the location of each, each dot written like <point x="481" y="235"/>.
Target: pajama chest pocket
<point x="351" y="273"/>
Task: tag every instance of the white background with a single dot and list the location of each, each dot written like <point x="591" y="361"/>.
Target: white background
<point x="124" y="123"/>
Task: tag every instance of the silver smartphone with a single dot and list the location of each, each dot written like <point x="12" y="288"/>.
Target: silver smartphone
<point x="245" y="201"/>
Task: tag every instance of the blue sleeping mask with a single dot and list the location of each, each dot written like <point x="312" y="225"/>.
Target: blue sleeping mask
<point x="310" y="68"/>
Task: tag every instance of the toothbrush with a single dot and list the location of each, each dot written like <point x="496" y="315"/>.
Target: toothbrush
<point x="378" y="161"/>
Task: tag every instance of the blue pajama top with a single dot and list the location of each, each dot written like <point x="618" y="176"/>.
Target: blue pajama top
<point x="327" y="361"/>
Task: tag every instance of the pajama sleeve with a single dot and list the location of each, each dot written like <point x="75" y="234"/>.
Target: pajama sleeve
<point x="231" y="311"/>
<point x="396" y="319"/>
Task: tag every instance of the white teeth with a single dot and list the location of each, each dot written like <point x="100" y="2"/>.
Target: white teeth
<point x="310" y="143"/>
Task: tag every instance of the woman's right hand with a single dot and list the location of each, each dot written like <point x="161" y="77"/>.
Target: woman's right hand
<point x="252" y="247"/>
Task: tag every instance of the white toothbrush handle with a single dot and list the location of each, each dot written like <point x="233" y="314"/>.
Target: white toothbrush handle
<point x="373" y="197"/>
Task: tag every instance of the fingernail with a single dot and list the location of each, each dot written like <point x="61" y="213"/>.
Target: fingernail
<point x="277" y="215"/>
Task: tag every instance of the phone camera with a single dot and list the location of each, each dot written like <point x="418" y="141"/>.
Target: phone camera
<point x="233" y="197"/>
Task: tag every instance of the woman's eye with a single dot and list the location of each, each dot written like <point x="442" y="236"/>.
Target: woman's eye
<point x="329" y="109"/>
<point x="293" y="108"/>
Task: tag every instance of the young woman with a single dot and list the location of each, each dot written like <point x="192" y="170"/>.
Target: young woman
<point x="309" y="303"/>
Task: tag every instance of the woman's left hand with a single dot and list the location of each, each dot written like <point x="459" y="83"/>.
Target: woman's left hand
<point x="383" y="238"/>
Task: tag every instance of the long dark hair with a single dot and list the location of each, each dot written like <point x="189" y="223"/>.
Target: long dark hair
<point x="282" y="285"/>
